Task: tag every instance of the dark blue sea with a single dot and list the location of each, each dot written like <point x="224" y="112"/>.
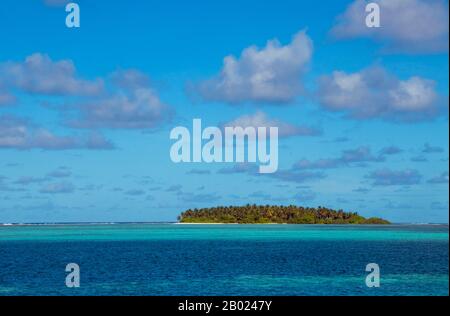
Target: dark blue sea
<point x="170" y="259"/>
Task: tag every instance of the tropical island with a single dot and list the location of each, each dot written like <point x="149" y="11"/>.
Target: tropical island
<point x="275" y="214"/>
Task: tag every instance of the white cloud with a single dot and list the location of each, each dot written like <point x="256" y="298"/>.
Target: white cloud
<point x="17" y="133"/>
<point x="130" y="101"/>
<point x="373" y="93"/>
<point x="38" y="74"/>
<point x="133" y="104"/>
<point x="413" y="94"/>
<point x="271" y="74"/>
<point x="409" y="26"/>
<point x="260" y="119"/>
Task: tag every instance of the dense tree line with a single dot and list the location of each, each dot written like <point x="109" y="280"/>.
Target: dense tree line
<point x="260" y="214"/>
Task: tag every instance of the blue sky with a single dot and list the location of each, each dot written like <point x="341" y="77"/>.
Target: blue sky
<point x="85" y="114"/>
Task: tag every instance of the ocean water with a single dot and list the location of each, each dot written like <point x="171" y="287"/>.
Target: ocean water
<point x="170" y="259"/>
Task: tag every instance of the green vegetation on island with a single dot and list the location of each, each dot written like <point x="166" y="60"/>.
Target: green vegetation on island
<point x="266" y="214"/>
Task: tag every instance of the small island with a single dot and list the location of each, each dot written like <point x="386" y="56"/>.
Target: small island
<point x="275" y="214"/>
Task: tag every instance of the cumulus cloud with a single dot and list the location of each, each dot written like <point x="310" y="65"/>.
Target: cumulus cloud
<point x="386" y="177"/>
<point x="270" y="75"/>
<point x="38" y="74"/>
<point x="133" y="104"/>
<point x="260" y="119"/>
<point x="374" y="93"/>
<point x="407" y="26"/>
<point x="440" y="179"/>
<point x="18" y="133"/>
<point x="359" y="156"/>
<point x="96" y="140"/>
<point x="129" y="79"/>
<point x="130" y="102"/>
